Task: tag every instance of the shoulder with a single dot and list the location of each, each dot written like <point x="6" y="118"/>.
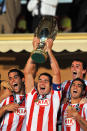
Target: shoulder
<point x="85" y="106"/>
<point x="32" y="93"/>
<point x="66" y="82"/>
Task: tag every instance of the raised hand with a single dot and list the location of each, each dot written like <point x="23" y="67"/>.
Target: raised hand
<point x="48" y="44"/>
<point x="36" y="42"/>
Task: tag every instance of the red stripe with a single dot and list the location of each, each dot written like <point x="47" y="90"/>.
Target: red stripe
<point x="11" y="116"/>
<point x="40" y="119"/>
<point x="62" y="127"/>
<point x="21" y="118"/>
<point x="84" y="116"/>
<point x="10" y="121"/>
<point x="50" y="120"/>
<point x="3" y="120"/>
<point x="59" y="94"/>
<point x="33" y="91"/>
<point x="65" y="89"/>
<point x="68" y="128"/>
<point x="64" y="108"/>
<point x="4" y="102"/>
<point x="63" y="111"/>
<point x="77" y="124"/>
<point x="31" y="113"/>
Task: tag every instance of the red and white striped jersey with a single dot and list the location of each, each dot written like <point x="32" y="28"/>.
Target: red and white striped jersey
<point x="70" y="124"/>
<point x="12" y="121"/>
<point x="42" y="114"/>
<point x="65" y="87"/>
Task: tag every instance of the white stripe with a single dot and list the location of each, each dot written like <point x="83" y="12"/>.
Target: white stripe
<point x="28" y="106"/>
<point x="6" y="117"/>
<point x="35" y="118"/>
<point x="56" y="104"/>
<point x="15" y="122"/>
<point x="45" y="116"/>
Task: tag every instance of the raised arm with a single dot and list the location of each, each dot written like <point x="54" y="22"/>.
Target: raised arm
<point x="53" y="62"/>
<point x="30" y="70"/>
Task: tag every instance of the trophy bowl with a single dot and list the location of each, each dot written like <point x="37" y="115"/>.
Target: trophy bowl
<point x="47" y="28"/>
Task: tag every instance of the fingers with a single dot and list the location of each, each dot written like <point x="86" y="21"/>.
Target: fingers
<point x="12" y="107"/>
<point x="49" y="43"/>
<point x="36" y="42"/>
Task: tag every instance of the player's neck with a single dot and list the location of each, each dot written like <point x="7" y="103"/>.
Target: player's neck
<point x="22" y="92"/>
<point x="75" y="101"/>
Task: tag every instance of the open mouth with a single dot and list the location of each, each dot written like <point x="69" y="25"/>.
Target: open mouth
<point x="74" y="73"/>
<point x="15" y="85"/>
<point x="75" y="91"/>
<point x="42" y="88"/>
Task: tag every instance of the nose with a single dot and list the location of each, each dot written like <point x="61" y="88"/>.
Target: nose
<point x="73" y="67"/>
<point x="42" y="81"/>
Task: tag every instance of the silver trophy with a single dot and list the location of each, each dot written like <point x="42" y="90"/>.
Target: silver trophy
<point x="47" y="28"/>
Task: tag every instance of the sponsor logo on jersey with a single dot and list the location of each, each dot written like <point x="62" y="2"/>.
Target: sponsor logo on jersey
<point x="44" y="102"/>
<point x="68" y="121"/>
<point x="21" y="111"/>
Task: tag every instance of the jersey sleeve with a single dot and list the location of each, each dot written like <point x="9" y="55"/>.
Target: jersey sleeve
<point x="84" y="111"/>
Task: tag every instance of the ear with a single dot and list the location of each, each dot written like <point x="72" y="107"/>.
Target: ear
<point x="84" y="71"/>
<point x="83" y="93"/>
<point x="23" y="80"/>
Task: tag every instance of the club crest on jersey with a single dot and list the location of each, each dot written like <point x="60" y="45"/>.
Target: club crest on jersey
<point x="21" y="111"/>
<point x="68" y="121"/>
<point x="43" y="102"/>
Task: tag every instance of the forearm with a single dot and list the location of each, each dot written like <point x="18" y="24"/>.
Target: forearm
<point x="29" y="75"/>
<point x="2" y="110"/>
<point x="3" y="96"/>
<point x="82" y="122"/>
<point x="55" y="67"/>
<point x="29" y="66"/>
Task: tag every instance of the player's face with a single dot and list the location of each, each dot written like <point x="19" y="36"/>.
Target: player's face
<point x="43" y="85"/>
<point x="15" y="81"/>
<point x="77" y="69"/>
<point x="76" y="89"/>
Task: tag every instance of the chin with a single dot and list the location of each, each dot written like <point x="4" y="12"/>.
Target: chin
<point x="41" y="93"/>
<point x="16" y="91"/>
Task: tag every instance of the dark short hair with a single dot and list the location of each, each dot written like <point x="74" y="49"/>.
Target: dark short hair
<point x="83" y="63"/>
<point x="81" y="80"/>
<point x="20" y="73"/>
<point x="48" y="75"/>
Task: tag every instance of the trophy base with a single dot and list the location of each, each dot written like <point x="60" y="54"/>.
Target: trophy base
<point x="39" y="56"/>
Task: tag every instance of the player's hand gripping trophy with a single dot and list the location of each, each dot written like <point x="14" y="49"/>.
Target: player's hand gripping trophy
<point x="47" y="28"/>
